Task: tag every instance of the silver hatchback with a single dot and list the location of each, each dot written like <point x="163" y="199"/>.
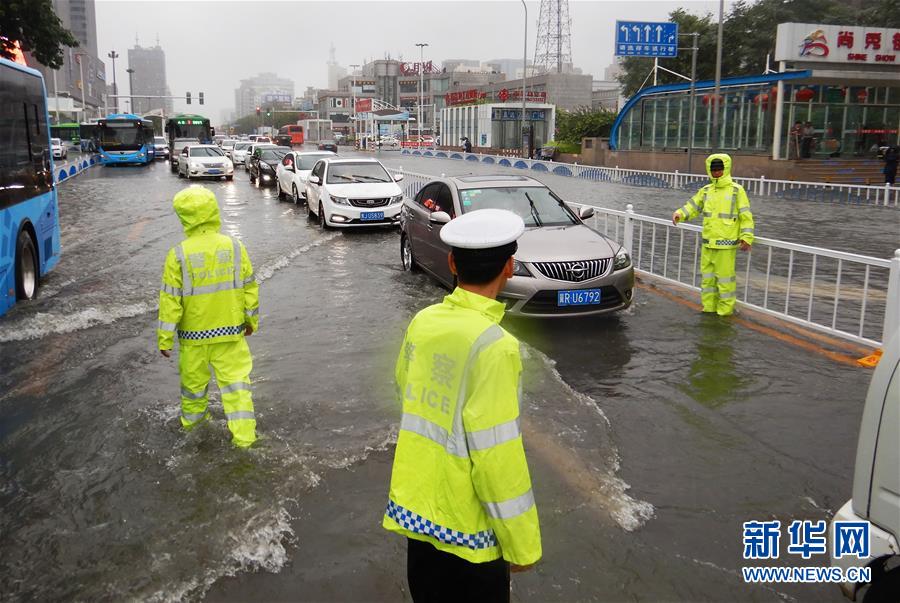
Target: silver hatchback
<point x="562" y="267"/>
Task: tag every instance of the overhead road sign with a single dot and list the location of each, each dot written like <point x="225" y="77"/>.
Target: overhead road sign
<point x="643" y="39"/>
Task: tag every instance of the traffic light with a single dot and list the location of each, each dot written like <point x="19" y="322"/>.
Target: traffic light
<point x="200" y="95"/>
<point x="257" y="110"/>
<point x="268" y="112"/>
<point x="187" y="97"/>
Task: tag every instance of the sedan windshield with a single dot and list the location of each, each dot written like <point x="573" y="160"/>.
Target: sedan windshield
<point x="536" y="206"/>
<point x="272" y="154"/>
<point x="206" y="152"/>
<point x="307" y="162"/>
<point x="342" y="173"/>
<point x="242" y="146"/>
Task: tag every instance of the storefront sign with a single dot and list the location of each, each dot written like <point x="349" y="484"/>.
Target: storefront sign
<point x="530" y="96"/>
<point x="516" y="115"/>
<point x="465" y="97"/>
<point x="837" y="44"/>
<point x="363" y="105"/>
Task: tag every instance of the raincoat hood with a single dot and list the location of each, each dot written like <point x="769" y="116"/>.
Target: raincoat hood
<point x="198" y="210"/>
<point x="725" y="180"/>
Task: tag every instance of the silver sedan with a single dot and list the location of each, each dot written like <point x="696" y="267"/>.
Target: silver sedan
<point x="562" y="267"/>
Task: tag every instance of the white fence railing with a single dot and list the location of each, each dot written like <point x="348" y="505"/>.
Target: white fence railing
<point x="69" y="169"/>
<point x="858" y="194"/>
<point x="852" y="296"/>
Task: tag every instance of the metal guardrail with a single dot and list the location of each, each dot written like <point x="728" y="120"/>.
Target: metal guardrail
<point x="859" y="194"/>
<point x="851" y="296"/>
<point x="70" y="169"/>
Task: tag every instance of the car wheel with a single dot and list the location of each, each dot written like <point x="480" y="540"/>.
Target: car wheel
<point x="281" y="194"/>
<point x="296" y="195"/>
<point x="229" y="178"/>
<point x="180" y="175"/>
<point x="26" y="267"/>
<point x="323" y="222"/>
<point x="406" y="255"/>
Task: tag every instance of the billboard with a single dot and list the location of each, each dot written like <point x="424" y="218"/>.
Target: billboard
<point x="832" y="44"/>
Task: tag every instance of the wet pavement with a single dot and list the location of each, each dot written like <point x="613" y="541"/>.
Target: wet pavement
<point x="651" y="435"/>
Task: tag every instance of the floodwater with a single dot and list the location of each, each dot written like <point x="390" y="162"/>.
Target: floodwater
<point x="651" y="435"/>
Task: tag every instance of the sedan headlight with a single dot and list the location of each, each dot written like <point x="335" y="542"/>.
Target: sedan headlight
<point x="622" y="260"/>
<point x="396" y="199"/>
<point x="196" y="166"/>
<point x="339" y="200"/>
<point x="519" y="269"/>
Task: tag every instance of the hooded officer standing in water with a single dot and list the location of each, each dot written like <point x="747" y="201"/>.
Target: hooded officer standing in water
<point x="210" y="297"/>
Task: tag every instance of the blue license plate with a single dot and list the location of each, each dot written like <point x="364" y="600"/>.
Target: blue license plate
<point x="578" y="297"/>
<point x="214" y="171"/>
<point x="371" y="215"/>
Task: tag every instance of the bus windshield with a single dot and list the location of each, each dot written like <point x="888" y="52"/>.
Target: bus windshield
<point x="121" y="135"/>
<point x="189" y="128"/>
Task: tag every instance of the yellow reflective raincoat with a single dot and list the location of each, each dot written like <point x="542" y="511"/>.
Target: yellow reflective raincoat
<point x="460" y="479"/>
<point x="209" y="296"/>
<point x="727" y="221"/>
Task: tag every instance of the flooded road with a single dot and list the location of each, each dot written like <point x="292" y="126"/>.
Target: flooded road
<point x="651" y="435"/>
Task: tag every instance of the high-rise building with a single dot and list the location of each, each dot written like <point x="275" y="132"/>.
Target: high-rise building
<point x="148" y="79"/>
<point x="264" y="89"/>
<point x="77" y="90"/>
<point x="335" y="71"/>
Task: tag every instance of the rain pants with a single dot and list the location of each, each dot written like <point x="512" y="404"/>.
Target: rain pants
<point x="208" y="297"/>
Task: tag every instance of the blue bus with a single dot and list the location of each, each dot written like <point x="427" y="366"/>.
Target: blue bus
<point x="125" y="138"/>
<point x="29" y="208"/>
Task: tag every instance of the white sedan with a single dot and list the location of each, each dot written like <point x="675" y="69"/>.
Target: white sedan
<point x="204" y="161"/>
<point x="292" y="172"/>
<point x="60" y="151"/>
<point x="238" y="153"/>
<point x="353" y="192"/>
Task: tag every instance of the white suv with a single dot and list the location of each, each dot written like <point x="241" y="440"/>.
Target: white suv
<point x="353" y="192"/>
<point x="59" y="149"/>
<point x="292" y="172"/>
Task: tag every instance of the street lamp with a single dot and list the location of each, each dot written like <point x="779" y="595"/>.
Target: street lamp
<point x="130" y="73"/>
<point x="114" y="55"/>
<point x="421" y="85"/>
<point x="524" y="76"/>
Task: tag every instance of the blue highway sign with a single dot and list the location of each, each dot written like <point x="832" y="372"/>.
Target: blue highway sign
<point x="642" y="39"/>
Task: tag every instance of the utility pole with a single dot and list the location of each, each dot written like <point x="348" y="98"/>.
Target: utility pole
<point x="694" y="48"/>
<point x="716" y="103"/>
<point x="114" y="55"/>
<point x="80" y="58"/>
<point x="421" y="84"/>
<point x="130" y="73"/>
<point x="353" y="96"/>
<point x="524" y="77"/>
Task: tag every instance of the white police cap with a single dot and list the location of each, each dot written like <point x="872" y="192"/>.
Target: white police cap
<point x="483" y="229"/>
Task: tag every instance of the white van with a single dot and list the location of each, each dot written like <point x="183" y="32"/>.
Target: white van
<point x="876" y="483"/>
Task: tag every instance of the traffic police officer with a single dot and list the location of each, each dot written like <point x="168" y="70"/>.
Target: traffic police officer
<point x="727" y="224"/>
<point x="460" y="488"/>
<point x="210" y="297"/>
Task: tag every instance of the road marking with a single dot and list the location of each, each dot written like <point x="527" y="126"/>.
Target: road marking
<point x="785" y="337"/>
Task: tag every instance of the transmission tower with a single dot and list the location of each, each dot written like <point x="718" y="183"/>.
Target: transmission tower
<point x="553" y="51"/>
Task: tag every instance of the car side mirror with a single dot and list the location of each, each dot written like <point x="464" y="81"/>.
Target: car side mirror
<point x="439" y="217"/>
<point x="314" y="180"/>
<point x="398" y="177"/>
<point x="585" y="212"/>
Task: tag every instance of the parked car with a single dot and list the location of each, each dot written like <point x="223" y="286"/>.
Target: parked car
<point x="60" y="151"/>
<point x="876" y="484"/>
<point x="161" y="147"/>
<point x="204" y="161"/>
<point x="327" y="145"/>
<point x="238" y="153"/>
<point x="178" y="146"/>
<point x="252" y="149"/>
<point x="293" y="170"/>
<point x="353" y="192"/>
<point x="263" y="163"/>
<point x="562" y="267"/>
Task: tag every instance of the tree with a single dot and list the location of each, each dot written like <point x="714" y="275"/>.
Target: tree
<point x="748" y="34"/>
<point x="37" y="29"/>
<point x="572" y="126"/>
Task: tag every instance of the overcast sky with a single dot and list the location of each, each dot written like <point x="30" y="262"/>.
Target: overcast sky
<point x="211" y="45"/>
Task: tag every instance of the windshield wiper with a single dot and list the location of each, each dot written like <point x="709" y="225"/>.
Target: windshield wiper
<point x="375" y="178"/>
<point x="534" y="211"/>
<point x="342" y="176"/>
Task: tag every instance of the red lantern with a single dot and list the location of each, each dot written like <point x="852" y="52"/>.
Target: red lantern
<point x="862" y="95"/>
<point x="761" y="99"/>
<point x="804" y="94"/>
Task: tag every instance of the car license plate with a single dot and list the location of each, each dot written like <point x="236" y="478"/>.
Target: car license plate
<point x="371" y="215"/>
<point x="578" y="297"/>
<point x="214" y="171"/>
